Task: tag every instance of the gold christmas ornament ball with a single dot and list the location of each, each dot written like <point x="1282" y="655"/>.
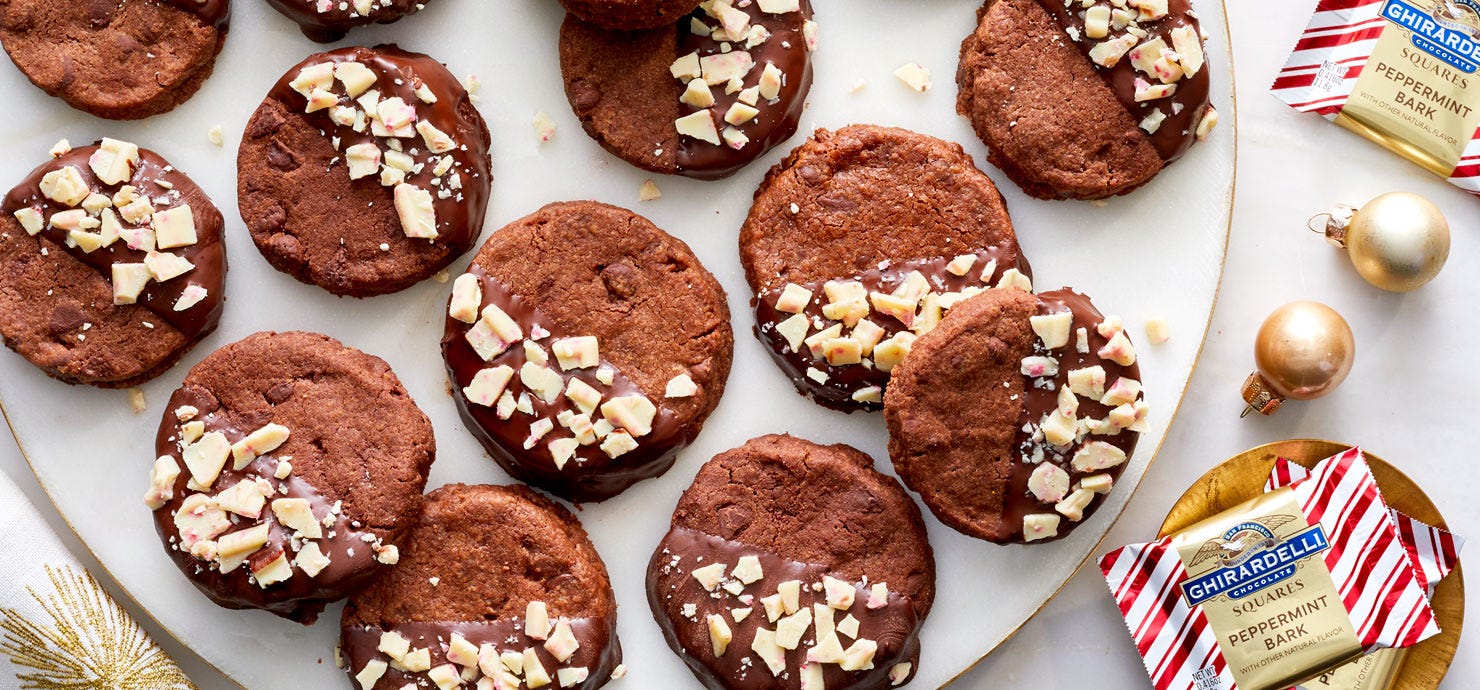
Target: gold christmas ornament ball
<point x="1398" y="241"/>
<point x="1303" y="351"/>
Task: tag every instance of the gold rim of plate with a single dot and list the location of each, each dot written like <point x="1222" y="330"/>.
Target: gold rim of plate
<point x="1242" y="477"/>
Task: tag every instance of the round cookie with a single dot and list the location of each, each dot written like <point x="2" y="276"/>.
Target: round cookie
<point x="860" y="211"/>
<point x="586" y="347"/>
<point x="1015" y="416"/>
<point x="112" y="265"/>
<point x="290" y="467"/>
<point x="629" y="15"/>
<point x="784" y="550"/>
<point x="1072" y="104"/>
<point x="489" y="571"/>
<point x="701" y="97"/>
<point x="326" y="21"/>
<point x="121" y="60"/>
<point x="365" y="171"/>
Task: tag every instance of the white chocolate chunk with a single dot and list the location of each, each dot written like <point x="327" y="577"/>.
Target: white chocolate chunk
<point x="914" y="75"/>
<point x="1059" y="428"/>
<point x="1073" y="506"/>
<point x="259" y="442"/>
<point x="174" y="227"/>
<point x="31" y="220"/>
<point x="710" y="575"/>
<point x="165" y="266"/>
<point x="537" y="620"/>
<point x="275" y="571"/>
<point x="311" y="560"/>
<point x="1097" y="455"/>
<point x="681" y="386"/>
<point x="764" y="645"/>
<point x="839" y="594"/>
<point x="437" y="141"/>
<point x="199" y="519"/>
<point x="417" y="214"/>
<point x="748" y="570"/>
<point x="445" y="677"/>
<point x="1124" y="391"/>
<point x="572" y="676"/>
<point x="467" y="296"/>
<point x="206" y="457"/>
<point x="849" y="626"/>
<point x="859" y="656"/>
<point x="488" y="384"/>
<point x="648" y="191"/>
<point x="297" y="514"/>
<point x="634" y="413"/>
<point x="618" y="443"/>
<point x="1040" y="526"/>
<point x="794" y="329"/>
<point x="245" y="498"/>
<point x="1053" y="329"/>
<point x="162" y="478"/>
<point x="791" y="593"/>
<point x="789" y="630"/>
<point x="1157" y="330"/>
<point x="1098" y="483"/>
<point x="720" y="68"/>
<point x="1119" y="350"/>
<point x="699" y="125"/>
<point x="687" y="67"/>
<point x="1088" y="382"/>
<point x="417" y="660"/>
<point x="1049" y="483"/>
<point x="393" y="645"/>
<point x="794" y="298"/>
<point x="233" y="548"/>
<point x="562" y="643"/>
<point x="697" y="94"/>
<point x="778" y="6"/>
<point x="65" y="185"/>
<point x="370" y="674"/>
<point x="577" y="353"/>
<point x="113" y="161"/>
<point x="1038" y="366"/>
<point x="128" y="281"/>
<point x="719" y="634"/>
<point x="189" y="297"/>
<point x="899" y="673"/>
<point x="363" y="160"/>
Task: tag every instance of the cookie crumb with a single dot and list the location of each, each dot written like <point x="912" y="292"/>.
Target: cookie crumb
<point x="649" y="191"/>
<point x="914" y="75"/>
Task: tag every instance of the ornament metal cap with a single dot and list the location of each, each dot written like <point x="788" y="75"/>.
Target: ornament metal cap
<point x="1260" y="396"/>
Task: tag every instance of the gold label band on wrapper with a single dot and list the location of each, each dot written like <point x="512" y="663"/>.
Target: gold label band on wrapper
<point x="1376" y="671"/>
<point x="1415" y="95"/>
<point x="1259" y="573"/>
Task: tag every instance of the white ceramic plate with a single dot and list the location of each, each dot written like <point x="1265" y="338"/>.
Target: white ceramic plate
<point x="1158" y="252"/>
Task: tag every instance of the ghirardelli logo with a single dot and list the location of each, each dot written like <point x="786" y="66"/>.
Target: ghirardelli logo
<point x="1241" y="542"/>
<point x="1248" y="557"/>
<point x="1458" y="15"/>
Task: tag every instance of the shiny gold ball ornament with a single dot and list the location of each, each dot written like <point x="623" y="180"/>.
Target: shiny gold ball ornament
<point x="1303" y="351"/>
<point x="1398" y="241"/>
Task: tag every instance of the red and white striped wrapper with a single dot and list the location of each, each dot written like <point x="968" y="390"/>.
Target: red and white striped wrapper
<point x="1378" y="585"/>
<point x="1433" y="551"/>
<point x="1328" y="59"/>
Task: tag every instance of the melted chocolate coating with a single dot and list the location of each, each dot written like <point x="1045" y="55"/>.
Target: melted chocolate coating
<point x="776" y="122"/>
<point x="399" y="73"/>
<point x="842" y="381"/>
<point x="333" y="24"/>
<point x="208" y="253"/>
<point x="1178" y="131"/>
<point x="1038" y="402"/>
<point x="591" y="475"/>
<point x="671" y="585"/>
<point x="300" y="598"/>
<point x="359" y="646"/>
<point x="217" y="13"/>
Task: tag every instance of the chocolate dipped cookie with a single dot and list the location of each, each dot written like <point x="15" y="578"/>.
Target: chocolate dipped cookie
<point x="290" y="470"/>
<point x="856" y="244"/>
<point x="701" y="97"/>
<point x="1015" y="416"/>
<point x="791" y="564"/>
<point x="326" y="21"/>
<point x="365" y="171"/>
<point x="1085" y="100"/>
<point x="121" y="60"/>
<point x="585" y="348"/>
<point x="497" y="586"/>
<point x="112" y="265"/>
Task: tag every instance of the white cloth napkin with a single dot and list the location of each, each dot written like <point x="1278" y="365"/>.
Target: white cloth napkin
<point x="58" y="628"/>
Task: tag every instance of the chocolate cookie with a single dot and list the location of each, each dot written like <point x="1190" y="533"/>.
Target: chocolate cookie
<point x="122" y="60"/>
<point x="628" y="15"/>
<point x="586" y="347"/>
<point x="496" y="583"/>
<point x="1085" y="102"/>
<point x="290" y="466"/>
<point x="1015" y="416"/>
<point x="874" y="231"/>
<point x="112" y="265"/>
<point x="791" y="564"/>
<point x="327" y="21"/>
<point x="365" y="171"/>
<point x="700" y="98"/>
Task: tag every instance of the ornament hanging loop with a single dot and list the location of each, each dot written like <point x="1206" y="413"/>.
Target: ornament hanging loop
<point x="1334" y="225"/>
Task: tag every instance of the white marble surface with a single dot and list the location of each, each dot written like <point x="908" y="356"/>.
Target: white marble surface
<point x="1409" y="398"/>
